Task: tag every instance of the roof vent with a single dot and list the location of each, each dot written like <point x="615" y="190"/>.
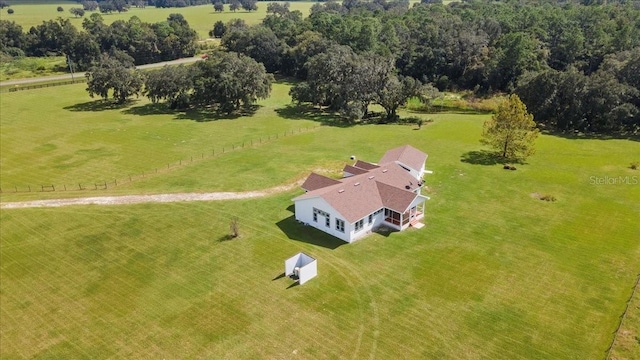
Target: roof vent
<point x="341" y="191"/>
<point x="356" y="184"/>
<point x="385" y="170"/>
<point x="371" y="177"/>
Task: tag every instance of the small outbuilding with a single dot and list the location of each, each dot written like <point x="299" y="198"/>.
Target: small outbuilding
<point x="301" y="267"/>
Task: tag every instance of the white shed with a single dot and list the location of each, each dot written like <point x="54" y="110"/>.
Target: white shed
<point x="301" y="267"/>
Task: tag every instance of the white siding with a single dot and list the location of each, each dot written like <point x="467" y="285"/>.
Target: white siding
<point x="304" y="213"/>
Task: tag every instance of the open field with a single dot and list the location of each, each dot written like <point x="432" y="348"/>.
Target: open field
<point x="200" y="18"/>
<point x="496" y="273"/>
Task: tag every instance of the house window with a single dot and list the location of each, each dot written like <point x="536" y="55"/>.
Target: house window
<point x="340" y="225"/>
<point x="317" y="212"/>
<point x="370" y="218"/>
<point x="359" y="224"/>
<point x="327" y="221"/>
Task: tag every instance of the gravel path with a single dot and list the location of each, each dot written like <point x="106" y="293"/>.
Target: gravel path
<point x="138" y="199"/>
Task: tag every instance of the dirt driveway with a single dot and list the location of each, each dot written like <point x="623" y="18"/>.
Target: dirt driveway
<point x="155" y="198"/>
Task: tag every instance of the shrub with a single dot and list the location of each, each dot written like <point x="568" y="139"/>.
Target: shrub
<point x="234" y="228"/>
<point x="549" y="198"/>
<point x="60" y="9"/>
<point x="10" y="11"/>
<point x="634" y="165"/>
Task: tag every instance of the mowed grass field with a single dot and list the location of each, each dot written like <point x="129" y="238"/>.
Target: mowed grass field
<point x="496" y="273"/>
<point x="201" y="18"/>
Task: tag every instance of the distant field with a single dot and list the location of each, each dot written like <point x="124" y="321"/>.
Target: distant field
<point x="496" y="273"/>
<point x="201" y="18"/>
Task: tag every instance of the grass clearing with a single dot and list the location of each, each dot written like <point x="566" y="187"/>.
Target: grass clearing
<point x="28" y="67"/>
<point x="201" y="18"/>
<point x="494" y="274"/>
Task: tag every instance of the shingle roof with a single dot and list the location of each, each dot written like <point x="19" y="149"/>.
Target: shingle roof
<point x="317" y="181"/>
<point x="365" y="165"/>
<point x="358" y="196"/>
<point x="354" y="170"/>
<point x="407" y="155"/>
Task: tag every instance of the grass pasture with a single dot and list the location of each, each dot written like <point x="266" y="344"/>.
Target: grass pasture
<point x="201" y="18"/>
<point x="496" y="273"/>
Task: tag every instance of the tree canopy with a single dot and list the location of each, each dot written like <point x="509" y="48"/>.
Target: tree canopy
<point x="110" y="76"/>
<point x="511" y="130"/>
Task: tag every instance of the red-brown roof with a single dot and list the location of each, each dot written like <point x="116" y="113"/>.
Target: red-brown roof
<point x="407" y="155"/>
<point x="365" y="165"/>
<point x="317" y="181"/>
<point x="354" y="170"/>
<point x="360" y="195"/>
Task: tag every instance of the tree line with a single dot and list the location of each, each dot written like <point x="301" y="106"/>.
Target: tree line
<point x="537" y="50"/>
<point x="137" y="41"/>
<point x="225" y="82"/>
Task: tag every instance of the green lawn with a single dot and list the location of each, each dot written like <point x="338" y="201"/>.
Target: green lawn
<point x="201" y="18"/>
<point x="496" y="273"/>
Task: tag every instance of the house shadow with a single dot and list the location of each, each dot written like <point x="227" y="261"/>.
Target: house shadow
<point x="99" y="105"/>
<point x="310" y="112"/>
<point x="483" y="157"/>
<point x="307" y="234"/>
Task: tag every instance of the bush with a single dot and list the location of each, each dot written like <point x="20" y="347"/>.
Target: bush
<point x="60" y="9"/>
<point x="10" y="11"/>
<point x="549" y="198"/>
<point x="634" y="165"/>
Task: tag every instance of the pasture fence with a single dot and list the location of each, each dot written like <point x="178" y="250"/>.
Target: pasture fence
<point x="46" y="85"/>
<point x="115" y="181"/>
<point x="622" y="317"/>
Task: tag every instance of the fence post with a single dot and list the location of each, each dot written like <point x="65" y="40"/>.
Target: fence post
<point x="27" y="185"/>
<point x="53" y="187"/>
<point x="129" y="178"/>
<point x="115" y="182"/>
<point x="105" y="184"/>
<point x="65" y="187"/>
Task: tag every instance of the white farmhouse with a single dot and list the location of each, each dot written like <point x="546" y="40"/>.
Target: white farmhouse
<point x="369" y="196"/>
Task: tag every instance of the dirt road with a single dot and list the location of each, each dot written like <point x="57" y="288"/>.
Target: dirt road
<point x="155" y="198"/>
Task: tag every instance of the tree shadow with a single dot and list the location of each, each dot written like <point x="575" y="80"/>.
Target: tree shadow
<point x="576" y="135"/>
<point x="227" y="237"/>
<point x="99" y="105"/>
<point x="483" y="157"/>
<point x="198" y="115"/>
<point x="310" y="112"/>
<point x="436" y="109"/>
<point x="286" y="80"/>
<point x="308" y="234"/>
